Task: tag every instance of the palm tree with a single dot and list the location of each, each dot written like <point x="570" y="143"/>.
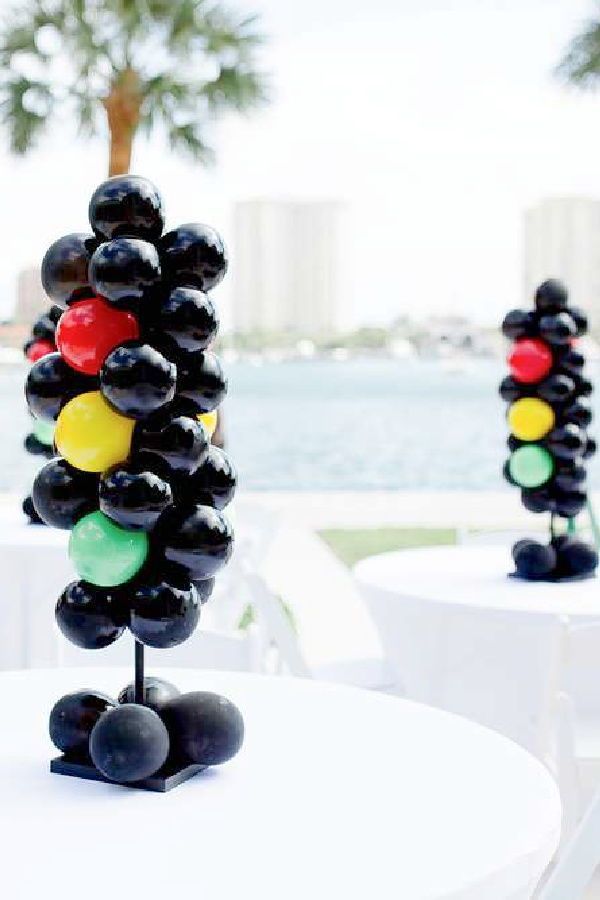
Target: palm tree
<point x="581" y="63"/>
<point x="129" y="65"/>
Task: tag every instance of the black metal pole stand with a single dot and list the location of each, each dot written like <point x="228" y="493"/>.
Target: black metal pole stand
<point x="139" y="673"/>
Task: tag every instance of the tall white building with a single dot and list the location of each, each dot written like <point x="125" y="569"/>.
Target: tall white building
<point x="562" y="240"/>
<point x="285" y="267"/>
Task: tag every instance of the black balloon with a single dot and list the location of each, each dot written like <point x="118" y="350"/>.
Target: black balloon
<point x="44" y="328"/>
<point x="579" y="412"/>
<point x="580" y="319"/>
<point x="567" y="441"/>
<point x="137" y="380"/>
<point x="590" y="448"/>
<point x="164" y="614"/>
<point x="533" y="560"/>
<point x="51" y="383"/>
<point x="513" y="443"/>
<point x="204" y="728"/>
<point x="157" y="692"/>
<point x="576" y="558"/>
<point x="31" y="512"/>
<point x="511" y="390"/>
<point x="558" y="329"/>
<point x="556" y="389"/>
<point x="570" y="478"/>
<point x="539" y="500"/>
<point x="584" y="386"/>
<point x="199" y="539"/>
<point x="89" y="616"/>
<point x="65" y="268"/>
<point x="214" y="482"/>
<point x="181" y="445"/>
<point x="569" y="504"/>
<point x="54" y="314"/>
<point x="200" y="380"/>
<point x="72" y="719"/>
<point x="189" y="318"/>
<point x="551" y="296"/>
<point x="129" y="743"/>
<point x="194" y="256"/>
<point x="570" y="362"/>
<point x="518" y="323"/>
<point x="127" y="206"/>
<point x="204" y="589"/>
<point x="134" y="499"/>
<point x="36" y="447"/>
<point x="125" y="270"/>
<point x="63" y="494"/>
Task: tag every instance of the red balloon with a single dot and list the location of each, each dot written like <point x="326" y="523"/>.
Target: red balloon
<point x="38" y="349"/>
<point x="89" y="330"/>
<point x="530" y="360"/>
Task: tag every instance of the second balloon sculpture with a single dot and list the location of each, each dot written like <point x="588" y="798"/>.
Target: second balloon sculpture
<point x="130" y="393"/>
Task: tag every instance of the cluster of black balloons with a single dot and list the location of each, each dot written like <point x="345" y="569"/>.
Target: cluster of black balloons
<point x="132" y="392"/>
<point x="549" y="413"/>
<point x="129" y="742"/>
<point x="39" y="441"/>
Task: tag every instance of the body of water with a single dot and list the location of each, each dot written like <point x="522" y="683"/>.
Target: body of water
<point x="357" y="425"/>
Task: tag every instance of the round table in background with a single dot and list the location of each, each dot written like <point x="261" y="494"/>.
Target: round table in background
<point x="336" y="793"/>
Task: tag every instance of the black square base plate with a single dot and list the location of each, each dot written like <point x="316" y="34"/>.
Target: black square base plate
<point x="167" y="778"/>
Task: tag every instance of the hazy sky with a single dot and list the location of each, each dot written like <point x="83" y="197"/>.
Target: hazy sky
<point x="437" y="124"/>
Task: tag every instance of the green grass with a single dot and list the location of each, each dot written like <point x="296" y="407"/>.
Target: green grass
<point x="352" y="545"/>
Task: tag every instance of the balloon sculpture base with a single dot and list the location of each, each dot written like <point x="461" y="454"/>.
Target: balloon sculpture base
<point x="169" y="777"/>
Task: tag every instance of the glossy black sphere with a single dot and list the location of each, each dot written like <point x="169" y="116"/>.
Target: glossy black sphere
<point x="570" y="478"/>
<point x="194" y="256"/>
<point x="36" y="447"/>
<point x="51" y="383"/>
<point x="31" y="512"/>
<point x="129" y="743"/>
<point x="73" y="718"/>
<point x="534" y="561"/>
<point x="89" y="616"/>
<point x="164" y="614"/>
<point x="518" y="323"/>
<point x="54" y="314"/>
<point x="189" y="318"/>
<point x="540" y="500"/>
<point x="65" y="268"/>
<point x="44" y="328"/>
<point x="551" y="296"/>
<point x="127" y="206"/>
<point x="558" y="329"/>
<point x="181" y="445"/>
<point x="204" y="728"/>
<point x="556" y="388"/>
<point x="63" y="494"/>
<point x="513" y="443"/>
<point x="137" y="380"/>
<point x="569" y="504"/>
<point x="511" y="390"/>
<point x="204" y="589"/>
<point x="590" y="448"/>
<point x="579" y="412"/>
<point x="200" y="380"/>
<point x="134" y="499"/>
<point x="566" y="442"/>
<point x="584" y="387"/>
<point x="157" y="692"/>
<point x="199" y="539"/>
<point x="580" y="319"/>
<point x="214" y="483"/>
<point x="125" y="270"/>
<point x="576" y="558"/>
<point x="570" y="362"/>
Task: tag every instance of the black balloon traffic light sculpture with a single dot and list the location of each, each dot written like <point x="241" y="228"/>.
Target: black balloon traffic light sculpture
<point x="132" y="391"/>
<point x="548" y="416"/>
<point x="40" y="439"/>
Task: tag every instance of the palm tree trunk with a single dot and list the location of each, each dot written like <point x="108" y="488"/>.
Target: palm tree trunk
<point x="122" y="106"/>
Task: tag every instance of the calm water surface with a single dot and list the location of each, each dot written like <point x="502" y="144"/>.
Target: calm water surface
<point x="360" y="425"/>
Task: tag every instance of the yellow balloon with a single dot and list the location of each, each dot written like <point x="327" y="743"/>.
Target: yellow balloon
<point x="209" y="420"/>
<point x="91" y="435"/>
<point x="530" y="419"/>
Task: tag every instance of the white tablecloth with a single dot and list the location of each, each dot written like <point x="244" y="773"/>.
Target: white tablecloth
<point x="337" y="793"/>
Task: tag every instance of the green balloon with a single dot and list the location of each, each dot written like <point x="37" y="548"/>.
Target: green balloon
<point x="44" y="432"/>
<point x="104" y="553"/>
<point x="531" y="466"/>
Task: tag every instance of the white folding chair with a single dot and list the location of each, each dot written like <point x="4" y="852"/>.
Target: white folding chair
<point x="578" y="860"/>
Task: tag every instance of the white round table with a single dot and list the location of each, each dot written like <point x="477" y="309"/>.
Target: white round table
<point x="463" y="636"/>
<point x="336" y="793"/>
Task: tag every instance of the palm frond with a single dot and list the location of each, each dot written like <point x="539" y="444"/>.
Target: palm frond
<point x="187" y="138"/>
<point x="581" y="63"/>
<point x="24" y="124"/>
<point x="236" y="88"/>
